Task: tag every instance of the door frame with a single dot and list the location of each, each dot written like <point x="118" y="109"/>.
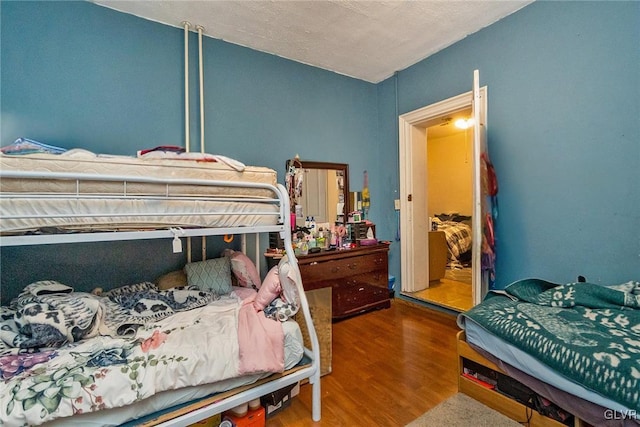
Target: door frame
<point x="412" y="133"/>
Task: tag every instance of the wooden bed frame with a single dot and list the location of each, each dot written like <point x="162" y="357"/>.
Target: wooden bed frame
<point x="501" y="403"/>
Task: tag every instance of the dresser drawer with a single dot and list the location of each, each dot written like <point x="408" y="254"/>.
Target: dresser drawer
<point x="378" y="278"/>
<point x="344" y="267"/>
<point x="358" y="278"/>
<point x="349" y="299"/>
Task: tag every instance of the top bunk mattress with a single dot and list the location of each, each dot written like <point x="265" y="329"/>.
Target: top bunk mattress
<point x="80" y="190"/>
<point x="84" y="162"/>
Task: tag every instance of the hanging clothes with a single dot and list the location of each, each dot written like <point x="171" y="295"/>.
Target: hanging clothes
<point x="490" y="189"/>
<point x="293" y="181"/>
<point x="366" y="198"/>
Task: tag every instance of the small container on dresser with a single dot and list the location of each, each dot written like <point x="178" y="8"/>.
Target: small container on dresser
<point x="358" y="230"/>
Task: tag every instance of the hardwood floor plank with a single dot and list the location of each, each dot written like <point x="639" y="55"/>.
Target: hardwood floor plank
<point x="447" y="293"/>
<point x="389" y="367"/>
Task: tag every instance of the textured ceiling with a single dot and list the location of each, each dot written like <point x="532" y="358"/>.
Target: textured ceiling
<point x="368" y="40"/>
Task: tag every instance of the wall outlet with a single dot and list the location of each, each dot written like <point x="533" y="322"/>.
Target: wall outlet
<point x="396" y="203"/>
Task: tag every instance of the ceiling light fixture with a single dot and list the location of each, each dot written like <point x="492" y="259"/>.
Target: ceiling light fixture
<point x="464" y="123"/>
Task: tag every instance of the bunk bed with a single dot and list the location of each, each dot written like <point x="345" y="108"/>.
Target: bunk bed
<point x="555" y="354"/>
<point x="83" y="197"/>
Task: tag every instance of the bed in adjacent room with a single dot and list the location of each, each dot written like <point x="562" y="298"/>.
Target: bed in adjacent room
<point x="457" y="230"/>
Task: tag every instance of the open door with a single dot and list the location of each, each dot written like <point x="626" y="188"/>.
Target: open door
<point x="413" y="207"/>
<point x="482" y="221"/>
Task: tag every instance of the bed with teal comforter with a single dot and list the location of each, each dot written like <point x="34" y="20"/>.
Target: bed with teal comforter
<point x="587" y="332"/>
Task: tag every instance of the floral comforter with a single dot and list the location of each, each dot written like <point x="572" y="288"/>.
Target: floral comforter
<point x="201" y="345"/>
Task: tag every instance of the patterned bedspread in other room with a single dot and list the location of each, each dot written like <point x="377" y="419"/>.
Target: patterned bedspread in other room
<point x="457" y="235"/>
<point x="589" y="333"/>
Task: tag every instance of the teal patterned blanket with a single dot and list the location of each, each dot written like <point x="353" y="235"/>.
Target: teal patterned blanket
<point x="589" y="333"/>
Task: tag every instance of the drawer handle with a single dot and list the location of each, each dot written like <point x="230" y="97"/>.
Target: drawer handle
<point x="379" y="261"/>
<point x="353" y="266"/>
<point x="335" y="269"/>
<point x="360" y="289"/>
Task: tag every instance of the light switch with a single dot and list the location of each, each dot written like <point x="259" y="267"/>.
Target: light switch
<point x="396" y="203"/>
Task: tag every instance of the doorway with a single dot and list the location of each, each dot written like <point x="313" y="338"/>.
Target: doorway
<point x="418" y="249"/>
<point x="449" y="185"/>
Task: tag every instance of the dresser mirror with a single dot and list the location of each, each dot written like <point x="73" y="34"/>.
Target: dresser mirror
<point x="325" y="191"/>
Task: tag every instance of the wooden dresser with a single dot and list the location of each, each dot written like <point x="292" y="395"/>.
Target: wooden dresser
<point x="358" y="278"/>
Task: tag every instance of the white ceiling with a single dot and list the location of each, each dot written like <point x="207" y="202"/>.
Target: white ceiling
<point x="367" y="40"/>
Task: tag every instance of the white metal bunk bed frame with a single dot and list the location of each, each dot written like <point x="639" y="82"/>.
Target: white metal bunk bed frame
<point x="311" y="372"/>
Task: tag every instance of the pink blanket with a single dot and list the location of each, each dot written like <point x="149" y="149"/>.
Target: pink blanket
<point x="261" y="340"/>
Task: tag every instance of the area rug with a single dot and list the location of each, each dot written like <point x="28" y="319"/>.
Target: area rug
<point x="462" y="411"/>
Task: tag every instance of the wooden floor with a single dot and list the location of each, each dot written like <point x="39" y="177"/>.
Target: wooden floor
<point x="447" y="293"/>
<point x="389" y="367"/>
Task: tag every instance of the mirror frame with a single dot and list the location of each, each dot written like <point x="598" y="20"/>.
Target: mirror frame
<point x="344" y="167"/>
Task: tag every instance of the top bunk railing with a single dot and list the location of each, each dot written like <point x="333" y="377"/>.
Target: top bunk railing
<point x="26" y="217"/>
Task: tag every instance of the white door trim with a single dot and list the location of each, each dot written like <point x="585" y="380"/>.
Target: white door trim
<point x="408" y="125"/>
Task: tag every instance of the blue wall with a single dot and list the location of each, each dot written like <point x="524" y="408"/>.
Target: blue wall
<point x="75" y="74"/>
<point x="564" y="134"/>
<point x="79" y="75"/>
<point x="563" y="116"/>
